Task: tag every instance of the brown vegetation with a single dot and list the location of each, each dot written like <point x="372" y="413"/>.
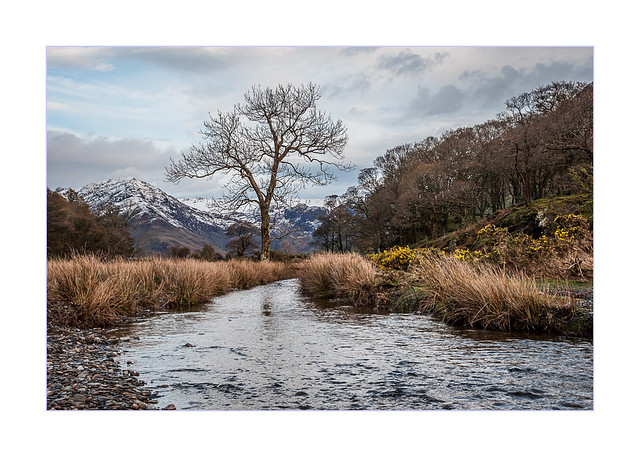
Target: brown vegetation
<point x="85" y="291"/>
<point x="454" y="290"/>
<point x="540" y="148"/>
<point x="349" y="276"/>
<point x="487" y="297"/>
<point x="72" y="227"/>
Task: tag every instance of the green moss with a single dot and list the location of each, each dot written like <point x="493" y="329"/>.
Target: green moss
<point x="539" y="214"/>
<point x="531" y="220"/>
<point x="571" y="284"/>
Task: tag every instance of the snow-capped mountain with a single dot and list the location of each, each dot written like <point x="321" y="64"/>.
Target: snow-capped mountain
<point x="292" y="227"/>
<point x="162" y="221"/>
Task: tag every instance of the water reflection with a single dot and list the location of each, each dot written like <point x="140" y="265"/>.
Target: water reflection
<point x="271" y="348"/>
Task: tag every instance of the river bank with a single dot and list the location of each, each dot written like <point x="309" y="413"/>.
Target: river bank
<point x="459" y="293"/>
<point x="83" y="371"/>
<point x="83" y="374"/>
<point x="86" y="296"/>
<point x="273" y="348"/>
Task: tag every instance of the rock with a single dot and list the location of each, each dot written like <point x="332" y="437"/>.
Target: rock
<point x="170" y="406"/>
<point x="83" y="374"/>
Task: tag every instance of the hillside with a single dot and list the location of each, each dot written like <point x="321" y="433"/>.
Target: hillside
<point x="159" y="220"/>
<point x="533" y="219"/>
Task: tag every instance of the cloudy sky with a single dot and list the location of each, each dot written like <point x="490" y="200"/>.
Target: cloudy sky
<point x="125" y="111"/>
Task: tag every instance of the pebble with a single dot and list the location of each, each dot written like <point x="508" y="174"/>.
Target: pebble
<point x="82" y="373"/>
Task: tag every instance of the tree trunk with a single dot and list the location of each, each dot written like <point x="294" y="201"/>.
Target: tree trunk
<point x="266" y="235"/>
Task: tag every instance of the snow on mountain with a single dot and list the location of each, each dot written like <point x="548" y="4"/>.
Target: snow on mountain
<point x="207" y="205"/>
<point x="150" y="201"/>
<point x="162" y="221"/>
<point x="298" y="221"/>
<point x="251" y="213"/>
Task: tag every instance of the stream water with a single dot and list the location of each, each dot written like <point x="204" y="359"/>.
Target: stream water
<point x="271" y="348"/>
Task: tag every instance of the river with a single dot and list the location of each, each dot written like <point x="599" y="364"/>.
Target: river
<point x="271" y="348"/>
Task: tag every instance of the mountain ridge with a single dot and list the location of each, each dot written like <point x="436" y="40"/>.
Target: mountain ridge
<point x="160" y="221"/>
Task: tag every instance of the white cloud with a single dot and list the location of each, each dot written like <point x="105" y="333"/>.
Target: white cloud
<point x="58" y="106"/>
<point x="89" y="58"/>
<point x="158" y="98"/>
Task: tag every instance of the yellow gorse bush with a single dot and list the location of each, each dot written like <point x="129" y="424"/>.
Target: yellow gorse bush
<point x="400" y="257"/>
<point x="571" y="227"/>
<point x="470" y="256"/>
<point x="565" y="247"/>
<point x="497" y="246"/>
<point x="492" y="232"/>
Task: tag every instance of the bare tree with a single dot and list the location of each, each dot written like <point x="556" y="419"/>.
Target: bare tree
<point x="286" y="145"/>
<point x="243" y="234"/>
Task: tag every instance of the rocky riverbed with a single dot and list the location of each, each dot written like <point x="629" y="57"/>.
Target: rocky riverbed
<point x="83" y="374"/>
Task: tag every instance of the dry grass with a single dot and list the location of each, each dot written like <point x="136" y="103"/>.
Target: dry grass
<point x="458" y="292"/>
<point x="487" y="297"/>
<point x="98" y="293"/>
<point x="246" y="273"/>
<point x="348" y="276"/>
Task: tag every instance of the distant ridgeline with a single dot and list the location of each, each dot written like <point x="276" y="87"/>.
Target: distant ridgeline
<point x="161" y="224"/>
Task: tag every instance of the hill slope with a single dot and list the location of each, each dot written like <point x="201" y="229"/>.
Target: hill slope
<point x="161" y="221"/>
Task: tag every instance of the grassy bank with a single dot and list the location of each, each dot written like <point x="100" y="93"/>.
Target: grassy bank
<point x="348" y="276"/>
<point x="454" y="290"/>
<point x="86" y="292"/>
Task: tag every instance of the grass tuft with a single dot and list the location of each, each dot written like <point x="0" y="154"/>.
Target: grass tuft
<point x="348" y="276"/>
<point x="457" y="292"/>
<point x="98" y="293"/>
<point x="487" y="297"/>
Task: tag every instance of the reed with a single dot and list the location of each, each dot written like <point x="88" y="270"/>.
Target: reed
<point x="101" y="293"/>
<point x="455" y="291"/>
<point x="348" y="276"/>
<point x="485" y="296"/>
<point x="97" y="295"/>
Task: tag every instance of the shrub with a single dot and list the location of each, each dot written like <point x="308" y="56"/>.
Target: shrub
<point x="568" y="253"/>
<point x="400" y="258"/>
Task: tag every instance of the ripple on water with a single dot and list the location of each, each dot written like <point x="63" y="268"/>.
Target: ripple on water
<point x="302" y="355"/>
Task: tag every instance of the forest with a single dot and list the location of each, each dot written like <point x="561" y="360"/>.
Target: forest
<point x="539" y="147"/>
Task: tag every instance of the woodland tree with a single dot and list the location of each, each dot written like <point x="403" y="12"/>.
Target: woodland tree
<point x="271" y="145"/>
<point x="541" y="146"/>
<point x="335" y="233"/>
<point x="243" y="237"/>
<point x="73" y="228"/>
<point x="209" y="253"/>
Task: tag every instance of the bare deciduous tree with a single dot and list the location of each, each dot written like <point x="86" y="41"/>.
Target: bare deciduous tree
<point x="242" y="234"/>
<point x="286" y="144"/>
